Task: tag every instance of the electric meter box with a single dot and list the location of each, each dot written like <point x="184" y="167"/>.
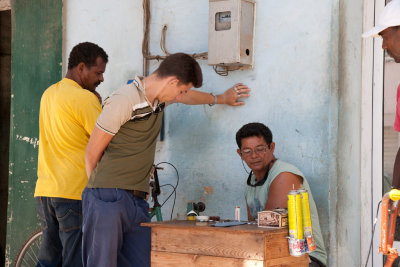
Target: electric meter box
<point x="231" y="32"/>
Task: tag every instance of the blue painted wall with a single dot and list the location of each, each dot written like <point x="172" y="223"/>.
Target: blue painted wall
<point x="294" y="92"/>
<point x="291" y="93"/>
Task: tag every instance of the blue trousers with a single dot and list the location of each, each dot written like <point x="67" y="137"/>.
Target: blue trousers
<point x="61" y="221"/>
<point x="112" y="235"/>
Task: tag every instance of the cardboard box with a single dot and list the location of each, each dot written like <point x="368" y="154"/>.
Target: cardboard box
<point x="277" y="218"/>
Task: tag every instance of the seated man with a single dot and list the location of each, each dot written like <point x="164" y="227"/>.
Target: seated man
<point x="270" y="180"/>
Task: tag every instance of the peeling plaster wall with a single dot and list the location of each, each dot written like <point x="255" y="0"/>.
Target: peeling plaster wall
<point x="117" y="28"/>
<point x="294" y="91"/>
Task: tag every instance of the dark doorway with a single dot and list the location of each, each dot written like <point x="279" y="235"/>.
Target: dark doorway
<point x="5" y="97"/>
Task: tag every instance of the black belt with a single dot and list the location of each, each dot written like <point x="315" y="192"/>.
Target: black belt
<point x="136" y="193"/>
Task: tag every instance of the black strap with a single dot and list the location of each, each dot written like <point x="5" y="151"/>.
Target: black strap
<point x="262" y="181"/>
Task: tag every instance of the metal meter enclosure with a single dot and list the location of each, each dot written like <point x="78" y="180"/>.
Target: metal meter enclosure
<point x="231" y="32"/>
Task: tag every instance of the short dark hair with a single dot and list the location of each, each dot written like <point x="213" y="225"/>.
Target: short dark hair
<point x="184" y="67"/>
<point x="254" y="129"/>
<point x="87" y="53"/>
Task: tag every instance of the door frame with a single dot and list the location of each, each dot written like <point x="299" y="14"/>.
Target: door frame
<point x="371" y="134"/>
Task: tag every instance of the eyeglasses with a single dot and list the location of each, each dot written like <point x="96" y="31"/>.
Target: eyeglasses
<point x="259" y="150"/>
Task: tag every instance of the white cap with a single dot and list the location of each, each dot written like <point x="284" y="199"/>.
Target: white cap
<point x="390" y="17"/>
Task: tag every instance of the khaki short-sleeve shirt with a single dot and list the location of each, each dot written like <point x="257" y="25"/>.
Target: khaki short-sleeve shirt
<point x="135" y="123"/>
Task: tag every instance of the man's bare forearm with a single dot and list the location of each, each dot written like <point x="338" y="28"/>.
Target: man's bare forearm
<point x="229" y="97"/>
<point x="97" y="144"/>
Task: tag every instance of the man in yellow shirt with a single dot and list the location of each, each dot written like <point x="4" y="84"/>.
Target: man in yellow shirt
<point x="68" y="113"/>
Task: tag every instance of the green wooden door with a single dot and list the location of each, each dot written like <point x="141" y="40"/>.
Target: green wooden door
<point x="35" y="64"/>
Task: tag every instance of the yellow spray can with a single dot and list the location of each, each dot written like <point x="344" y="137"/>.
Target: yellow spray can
<point x="296" y="239"/>
<point x="295" y="215"/>
<point x="307" y="225"/>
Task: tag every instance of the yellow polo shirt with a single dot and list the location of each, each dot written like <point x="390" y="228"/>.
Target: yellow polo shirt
<point x="67" y="117"/>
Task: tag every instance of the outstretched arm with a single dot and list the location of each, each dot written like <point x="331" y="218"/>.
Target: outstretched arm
<point x="229" y="97"/>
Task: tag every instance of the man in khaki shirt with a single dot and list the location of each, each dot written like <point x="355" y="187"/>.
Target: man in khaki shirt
<point x="120" y="154"/>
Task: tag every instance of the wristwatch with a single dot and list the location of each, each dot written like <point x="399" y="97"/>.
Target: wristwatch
<point x="215" y="100"/>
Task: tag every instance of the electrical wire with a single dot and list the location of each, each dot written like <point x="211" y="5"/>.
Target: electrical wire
<point x="220" y="70"/>
<point x="162" y="40"/>
<point x="373" y="231"/>
<point x="175" y="187"/>
<point x="174" y="191"/>
<point x="146" y="39"/>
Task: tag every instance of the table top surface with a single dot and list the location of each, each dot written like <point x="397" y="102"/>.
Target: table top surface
<point x="253" y="228"/>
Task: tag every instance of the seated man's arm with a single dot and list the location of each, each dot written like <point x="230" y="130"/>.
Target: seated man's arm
<point x="97" y="143"/>
<point x="280" y="188"/>
<point x="229" y="97"/>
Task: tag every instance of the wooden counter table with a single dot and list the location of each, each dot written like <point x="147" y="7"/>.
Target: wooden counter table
<point x="189" y="243"/>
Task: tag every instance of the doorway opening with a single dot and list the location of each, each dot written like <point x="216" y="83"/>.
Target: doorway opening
<point x="5" y="98"/>
<point x="391" y="137"/>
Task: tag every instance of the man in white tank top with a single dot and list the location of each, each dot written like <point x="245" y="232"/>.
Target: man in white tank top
<point x="270" y="181"/>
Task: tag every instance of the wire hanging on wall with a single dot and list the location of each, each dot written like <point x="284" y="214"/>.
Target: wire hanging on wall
<point x="222" y="71"/>
<point x="145" y="45"/>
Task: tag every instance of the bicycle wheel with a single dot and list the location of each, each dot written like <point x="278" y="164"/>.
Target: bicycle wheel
<point x="27" y="255"/>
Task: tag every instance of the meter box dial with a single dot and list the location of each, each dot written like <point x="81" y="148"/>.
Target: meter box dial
<point x="231" y="32"/>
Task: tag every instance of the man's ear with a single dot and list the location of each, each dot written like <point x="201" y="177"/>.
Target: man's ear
<point x="272" y="147"/>
<point x="238" y="151"/>
<point x="173" y="81"/>
<point x="80" y="67"/>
